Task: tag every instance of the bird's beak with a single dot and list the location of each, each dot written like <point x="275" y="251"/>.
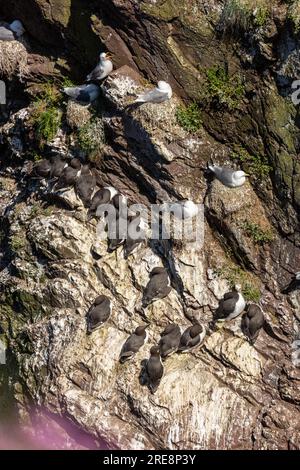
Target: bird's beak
<point x="246" y="174"/>
<point x="109" y="56"/>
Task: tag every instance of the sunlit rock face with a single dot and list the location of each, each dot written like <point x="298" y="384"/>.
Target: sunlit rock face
<point x="227" y="394"/>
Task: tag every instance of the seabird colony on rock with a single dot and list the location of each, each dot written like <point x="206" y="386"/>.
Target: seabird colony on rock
<point x="73" y="173"/>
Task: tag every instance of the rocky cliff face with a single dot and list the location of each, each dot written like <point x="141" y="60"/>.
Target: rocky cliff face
<point x="228" y="394"/>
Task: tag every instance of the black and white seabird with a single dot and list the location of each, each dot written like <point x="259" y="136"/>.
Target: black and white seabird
<point x="12" y="32"/>
<point x="252" y="322"/>
<point x="117" y="230"/>
<point x="99" y="313"/>
<point x="103" y="69"/>
<point x="69" y="175"/>
<point x="154" y="369"/>
<point x="101" y="197"/>
<point x="86" y="93"/>
<point x="42" y="169"/>
<point x="58" y="164"/>
<point x="120" y="203"/>
<point x="293" y="285"/>
<point x="231" y="306"/>
<point x="134" y="343"/>
<point x="158" y="287"/>
<point x="229" y="177"/>
<point x="170" y="340"/>
<point x="85" y="185"/>
<point x="136" y="235"/>
<point x="191" y="338"/>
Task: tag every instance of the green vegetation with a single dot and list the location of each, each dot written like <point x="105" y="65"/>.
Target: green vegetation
<point x="17" y="243"/>
<point x="256" y="165"/>
<point x="222" y="89"/>
<point x="236" y="17"/>
<point x="28" y="304"/>
<point x="294" y="14"/>
<point x="189" y="117"/>
<point x="258" y="235"/>
<point x="37" y="210"/>
<point x="67" y="82"/>
<point x="46" y="116"/>
<point x="240" y="16"/>
<point x="47" y="123"/>
<point x="250" y="292"/>
<point x="36" y="157"/>
<point x="91" y="139"/>
<point x="236" y="275"/>
<point x="261" y="16"/>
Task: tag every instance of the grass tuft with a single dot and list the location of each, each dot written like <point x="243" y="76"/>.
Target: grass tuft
<point x="256" y="165"/>
<point x="223" y="90"/>
<point x="257" y="234"/>
<point x="236" y="275"/>
<point x="189" y="117"/>
<point x="46" y="116"/>
<point x="241" y="16"/>
<point x="294" y="14"/>
<point x="91" y="139"/>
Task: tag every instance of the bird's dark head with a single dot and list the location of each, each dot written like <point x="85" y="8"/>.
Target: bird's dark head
<point x="75" y="163"/>
<point x="85" y="170"/>
<point x="140" y="330"/>
<point x="196" y="330"/>
<point x="100" y="299"/>
<point x="158" y="270"/>
<point x="154" y="351"/>
<point x="170" y="329"/>
<point x="251" y="310"/>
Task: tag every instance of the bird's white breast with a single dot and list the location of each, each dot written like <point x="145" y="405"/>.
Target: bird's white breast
<point x="239" y="306"/>
<point x="238" y="180"/>
<point x="112" y="190"/>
